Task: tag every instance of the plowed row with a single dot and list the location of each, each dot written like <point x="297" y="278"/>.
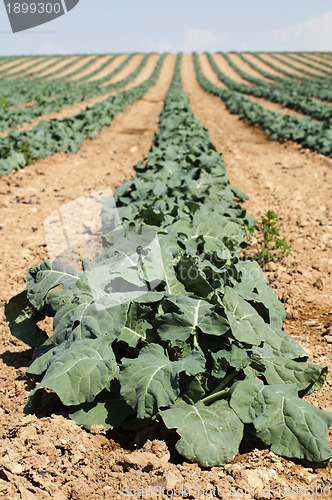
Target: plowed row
<point x="50" y="457"/>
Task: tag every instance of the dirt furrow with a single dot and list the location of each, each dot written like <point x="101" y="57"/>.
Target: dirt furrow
<point x="37" y="67"/>
<point x="245" y="67"/>
<point x="12" y="63"/>
<point x="129" y="68"/>
<point x="300" y="66"/>
<point x="29" y="195"/>
<point x="58" y="66"/>
<point x="260" y="64"/>
<point x="296" y="180"/>
<point x="93" y="67"/>
<point x="321" y="59"/>
<point x="74" y="67"/>
<point x="108" y="70"/>
<point x="283" y="66"/>
<point x="68" y="111"/>
<point x="145" y="73"/>
<point x="25" y="63"/>
<point x="274" y="106"/>
<point x="317" y="62"/>
<point x="227" y="69"/>
<point x="271" y="106"/>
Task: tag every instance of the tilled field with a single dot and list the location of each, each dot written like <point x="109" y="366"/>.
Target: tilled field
<point x="51" y="457"/>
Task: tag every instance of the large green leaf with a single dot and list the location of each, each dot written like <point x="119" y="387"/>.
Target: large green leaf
<point x="107" y="409"/>
<point x="84" y="317"/>
<point x="210" y="435"/>
<point x="293" y="427"/>
<point x="278" y="370"/>
<point x="220" y="237"/>
<point x="103" y="317"/>
<point x="237" y="358"/>
<point x="22" y="317"/>
<point x="248" y="326"/>
<point x="190" y="387"/>
<point x="193" y="314"/>
<point x="169" y="250"/>
<point x="137" y="328"/>
<point x="192" y="276"/>
<point x="150" y="382"/>
<point x="46" y="276"/>
<point x="78" y="373"/>
<point x="254" y="287"/>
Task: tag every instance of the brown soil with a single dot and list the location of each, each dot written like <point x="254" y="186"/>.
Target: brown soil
<point x="316" y="61"/>
<point x="11" y="63"/>
<point x="279" y="64"/>
<point x="261" y="65"/>
<point x="145" y="73"/>
<point x="57" y="67"/>
<point x="93" y="67"/>
<point x="38" y="67"/>
<point x="27" y="63"/>
<point x="300" y="66"/>
<point x="74" y="67"/>
<point x="321" y="59"/>
<point x="52" y="458"/>
<point x="244" y="66"/>
<point x="129" y="68"/>
<point x="68" y="111"/>
<point x="106" y="71"/>
<point x="274" y="106"/>
<point x="227" y="69"/>
<point x="271" y="106"/>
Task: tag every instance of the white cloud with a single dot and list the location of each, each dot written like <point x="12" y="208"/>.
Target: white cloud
<point x="159" y="46"/>
<point x="52" y="48"/>
<point x="313" y="34"/>
<point x="244" y="47"/>
<point x="194" y="41"/>
<point x="201" y="40"/>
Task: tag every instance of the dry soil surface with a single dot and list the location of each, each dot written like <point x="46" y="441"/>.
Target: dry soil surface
<point x="75" y="109"/>
<point x="316" y="62"/>
<point x="301" y="66"/>
<point x="261" y="65"/>
<point x="27" y="64"/>
<point x="50" y="457"/>
<point x="38" y="67"/>
<point x="283" y="66"/>
<point x="225" y="68"/>
<point x="56" y="70"/>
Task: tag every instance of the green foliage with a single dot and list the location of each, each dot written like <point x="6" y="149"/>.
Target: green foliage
<point x="270" y="246"/>
<point x="20" y="148"/>
<point x="312" y="134"/>
<point x="4" y="103"/>
<point x="290" y="96"/>
<point x="52" y="95"/>
<point x="24" y="147"/>
<point x="203" y="349"/>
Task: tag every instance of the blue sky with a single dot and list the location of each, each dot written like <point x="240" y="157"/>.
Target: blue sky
<point x="106" y="26"/>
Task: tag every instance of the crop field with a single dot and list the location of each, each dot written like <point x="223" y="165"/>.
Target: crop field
<point x="165" y="268"/>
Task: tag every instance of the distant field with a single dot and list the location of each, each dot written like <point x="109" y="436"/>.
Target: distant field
<point x="190" y="363"/>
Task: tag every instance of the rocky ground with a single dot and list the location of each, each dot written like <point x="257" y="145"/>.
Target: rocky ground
<point x="50" y="457"/>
